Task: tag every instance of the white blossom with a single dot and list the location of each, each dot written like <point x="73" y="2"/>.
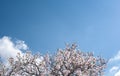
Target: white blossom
<point x="66" y="62"/>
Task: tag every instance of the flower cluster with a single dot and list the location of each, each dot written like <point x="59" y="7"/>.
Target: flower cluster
<point x="72" y="62"/>
<point x="26" y="65"/>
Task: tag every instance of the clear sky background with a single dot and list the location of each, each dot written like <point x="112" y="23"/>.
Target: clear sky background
<point x="46" y="25"/>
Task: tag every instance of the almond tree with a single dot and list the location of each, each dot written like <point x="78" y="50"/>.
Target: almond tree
<point x="72" y="62"/>
<point x="1" y="67"/>
<point x="27" y="65"/>
<point x="66" y="62"/>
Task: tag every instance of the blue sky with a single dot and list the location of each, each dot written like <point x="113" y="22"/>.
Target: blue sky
<point x="46" y="25"/>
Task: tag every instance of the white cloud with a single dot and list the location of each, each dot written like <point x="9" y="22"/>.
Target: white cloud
<point x="21" y="45"/>
<point x="114" y="68"/>
<point x="115" y="58"/>
<point x="9" y="49"/>
<point x="115" y="62"/>
<point x="118" y="73"/>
